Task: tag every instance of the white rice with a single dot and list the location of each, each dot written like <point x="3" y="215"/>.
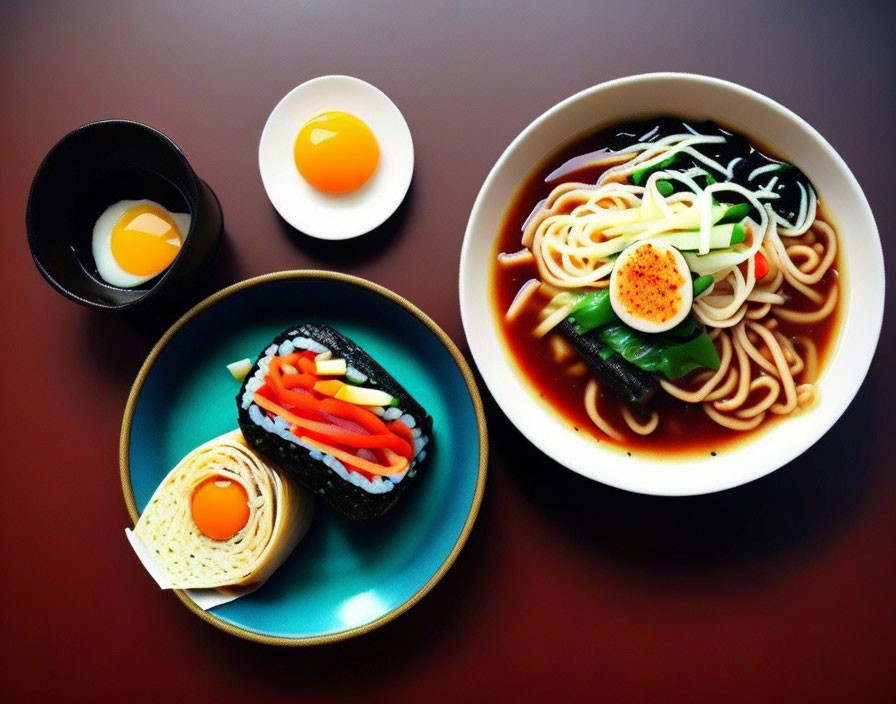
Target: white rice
<point x="392" y="413"/>
<point x="355" y="376"/>
<point x="306" y="343"/>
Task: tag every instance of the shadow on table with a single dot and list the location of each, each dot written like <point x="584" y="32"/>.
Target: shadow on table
<point x="792" y="511"/>
<point x="119" y="342"/>
<point x="357" y="250"/>
<point x="357" y="665"/>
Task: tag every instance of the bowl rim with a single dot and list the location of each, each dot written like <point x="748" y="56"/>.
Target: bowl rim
<point x="193" y="201"/>
<point x="468" y="292"/>
<point x="389" y="295"/>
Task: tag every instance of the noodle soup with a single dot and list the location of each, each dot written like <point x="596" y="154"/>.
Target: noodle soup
<point x="754" y="292"/>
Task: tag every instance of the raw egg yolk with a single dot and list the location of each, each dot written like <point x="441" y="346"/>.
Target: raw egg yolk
<point x="145" y="240"/>
<point x="336" y="152"/>
<point x="220" y="508"/>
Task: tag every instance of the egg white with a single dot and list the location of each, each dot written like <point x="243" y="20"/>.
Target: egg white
<point x="686" y="290"/>
<point x="101" y="244"/>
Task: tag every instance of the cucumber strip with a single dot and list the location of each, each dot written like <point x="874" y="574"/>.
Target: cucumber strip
<point x="720" y="237"/>
<point x="682" y="220"/>
<point x="716" y="261"/>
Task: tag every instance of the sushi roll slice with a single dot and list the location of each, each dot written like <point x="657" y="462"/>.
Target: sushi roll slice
<point x="321" y="409"/>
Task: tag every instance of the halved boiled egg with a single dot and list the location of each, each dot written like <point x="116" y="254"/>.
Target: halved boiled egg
<point x="136" y="240"/>
<point x="650" y="287"/>
<point x="336" y="157"/>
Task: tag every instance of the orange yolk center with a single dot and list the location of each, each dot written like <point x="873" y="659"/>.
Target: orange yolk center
<point x="220" y="508"/>
<point x="145" y="240"/>
<point x="336" y="152"/>
<point x="649" y="284"/>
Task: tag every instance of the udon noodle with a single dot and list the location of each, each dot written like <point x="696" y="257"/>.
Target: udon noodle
<point x="672" y="188"/>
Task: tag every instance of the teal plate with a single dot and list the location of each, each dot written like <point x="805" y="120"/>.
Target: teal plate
<point x="344" y="578"/>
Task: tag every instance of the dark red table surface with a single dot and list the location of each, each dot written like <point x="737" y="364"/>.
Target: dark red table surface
<point x="784" y="589"/>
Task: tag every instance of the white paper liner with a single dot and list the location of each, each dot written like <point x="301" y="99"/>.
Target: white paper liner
<point x="205" y="599"/>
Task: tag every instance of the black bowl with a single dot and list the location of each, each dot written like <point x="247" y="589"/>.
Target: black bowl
<point x="93" y="167"/>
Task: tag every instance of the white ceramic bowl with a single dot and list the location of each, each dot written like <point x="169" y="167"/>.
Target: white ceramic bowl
<point x="322" y="215"/>
<point x="696" y="97"/>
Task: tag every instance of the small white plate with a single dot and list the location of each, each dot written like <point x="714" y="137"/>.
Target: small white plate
<point x="321" y="215"/>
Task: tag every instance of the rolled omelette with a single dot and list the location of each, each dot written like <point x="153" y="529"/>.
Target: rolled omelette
<point x="184" y="527"/>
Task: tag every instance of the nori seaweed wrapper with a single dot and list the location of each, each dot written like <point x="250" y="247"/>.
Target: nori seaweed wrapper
<point x="628" y="382"/>
<point x="296" y="461"/>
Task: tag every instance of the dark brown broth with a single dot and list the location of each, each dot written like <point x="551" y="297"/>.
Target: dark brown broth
<point x="684" y="428"/>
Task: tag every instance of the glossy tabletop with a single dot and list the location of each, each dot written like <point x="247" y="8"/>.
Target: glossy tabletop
<point x="781" y="590"/>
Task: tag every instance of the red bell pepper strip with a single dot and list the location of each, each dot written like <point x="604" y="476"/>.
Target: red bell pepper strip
<point x="300" y="380"/>
<point x="302" y="401"/>
<point x="347" y="411"/>
<point x="402" y="430"/>
<point x="307" y="365"/>
<point x="334" y="433"/>
<point x="761" y="268"/>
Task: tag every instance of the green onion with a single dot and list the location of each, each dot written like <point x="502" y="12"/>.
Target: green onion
<point x="665" y="188"/>
<point x="701" y="283"/>
<point x="640" y="176"/>
<point x="735" y="213"/>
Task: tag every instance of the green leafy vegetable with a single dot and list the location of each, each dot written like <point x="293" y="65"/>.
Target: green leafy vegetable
<point x="686" y="328"/>
<point x="664" y="353"/>
<point x="592" y="311"/>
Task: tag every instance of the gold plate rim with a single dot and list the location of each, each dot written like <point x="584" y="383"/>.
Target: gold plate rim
<point x="298" y="274"/>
